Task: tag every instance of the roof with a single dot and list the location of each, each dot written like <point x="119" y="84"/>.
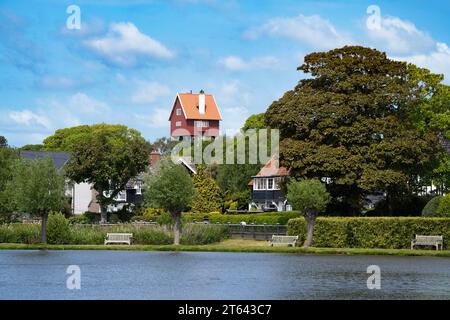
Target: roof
<point x="189" y="103"/>
<point x="59" y="158"/>
<point x="271" y="169"/>
<point x="187" y="162"/>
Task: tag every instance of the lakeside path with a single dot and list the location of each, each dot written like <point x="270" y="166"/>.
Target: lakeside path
<point x="233" y="245"/>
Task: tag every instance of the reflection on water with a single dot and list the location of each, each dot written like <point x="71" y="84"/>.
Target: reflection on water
<point x="201" y="275"/>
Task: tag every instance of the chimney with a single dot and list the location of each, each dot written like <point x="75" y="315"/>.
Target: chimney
<point x="155" y="157"/>
<point x="201" y="102"/>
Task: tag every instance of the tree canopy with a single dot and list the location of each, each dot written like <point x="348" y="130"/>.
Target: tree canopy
<point x="170" y="187"/>
<point x="36" y="187"/>
<point x="255" y="121"/>
<point x="107" y="159"/>
<point x="207" y="196"/>
<point x="352" y="122"/>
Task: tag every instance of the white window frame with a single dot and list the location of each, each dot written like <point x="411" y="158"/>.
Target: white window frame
<point x="263" y="183"/>
<point x="178" y="124"/>
<point x="178" y="112"/>
<point x="122" y="196"/>
<point x="201" y="123"/>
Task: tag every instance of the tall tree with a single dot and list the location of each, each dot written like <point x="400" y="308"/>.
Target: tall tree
<point x="207" y="197"/>
<point x="171" y="188"/>
<point x="108" y="159"/>
<point x="255" y="121"/>
<point x="36" y="188"/>
<point x="351" y="123"/>
<point x="8" y="156"/>
<point x="310" y="197"/>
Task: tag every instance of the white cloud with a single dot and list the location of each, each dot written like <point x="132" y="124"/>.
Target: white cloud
<point x="148" y="92"/>
<point x="312" y="30"/>
<point x="399" y="36"/>
<point x="124" y="45"/>
<point x="29" y="118"/>
<point x="437" y="60"/>
<point x="235" y="63"/>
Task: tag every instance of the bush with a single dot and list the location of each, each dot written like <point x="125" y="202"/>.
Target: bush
<point x="20" y="233"/>
<point x="256" y="218"/>
<point x="152" y="212"/>
<point x="203" y="234"/>
<point x="444" y="206"/>
<point x="85" y="218"/>
<point x="373" y="232"/>
<point x="58" y="229"/>
<point x="431" y="208"/>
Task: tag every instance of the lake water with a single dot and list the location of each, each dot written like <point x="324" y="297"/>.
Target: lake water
<point x="203" y="275"/>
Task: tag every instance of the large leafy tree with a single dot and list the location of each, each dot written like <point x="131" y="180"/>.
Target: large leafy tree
<point x="170" y="187"/>
<point x="36" y="187"/>
<point x="255" y="121"/>
<point x="108" y="159"/>
<point x="351" y="123"/>
<point x="207" y="196"/>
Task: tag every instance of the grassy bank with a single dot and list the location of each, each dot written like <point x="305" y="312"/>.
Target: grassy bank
<point x="233" y="245"/>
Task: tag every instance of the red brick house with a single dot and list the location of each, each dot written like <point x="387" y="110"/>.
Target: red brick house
<point x="194" y="114"/>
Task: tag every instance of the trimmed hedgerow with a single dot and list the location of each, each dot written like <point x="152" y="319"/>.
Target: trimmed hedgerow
<point x="373" y="232"/>
<point x="256" y="218"/>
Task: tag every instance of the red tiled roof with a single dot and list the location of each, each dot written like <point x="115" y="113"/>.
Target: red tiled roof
<point x="272" y="169"/>
<point x="189" y="103"/>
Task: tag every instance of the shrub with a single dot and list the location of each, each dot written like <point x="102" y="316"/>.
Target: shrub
<point x="193" y="234"/>
<point x="58" y="230"/>
<point x="256" y="218"/>
<point x="152" y="212"/>
<point x="373" y="232"/>
<point x="86" y="235"/>
<point x="85" y="218"/>
<point x="153" y="235"/>
<point x="431" y="208"/>
<point x="20" y="233"/>
<point x="444" y="206"/>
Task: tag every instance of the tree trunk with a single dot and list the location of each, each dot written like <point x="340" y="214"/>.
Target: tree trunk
<point x="310" y="218"/>
<point x="103" y="214"/>
<point x="176" y="228"/>
<point x="44" y="217"/>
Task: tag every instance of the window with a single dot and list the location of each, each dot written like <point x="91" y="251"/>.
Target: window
<point x="122" y="196"/>
<point x="178" y="112"/>
<point x="178" y="123"/>
<point x="260" y="184"/>
<point x="202" y="124"/>
<point x="269" y="184"/>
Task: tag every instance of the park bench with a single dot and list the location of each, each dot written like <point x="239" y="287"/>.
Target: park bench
<point x="283" y="240"/>
<point x="427" y="241"/>
<point x="124" y="238"/>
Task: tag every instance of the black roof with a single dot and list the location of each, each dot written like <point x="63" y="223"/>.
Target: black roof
<point x="59" y="158"/>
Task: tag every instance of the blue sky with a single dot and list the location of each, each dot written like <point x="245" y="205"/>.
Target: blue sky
<point x="128" y="61"/>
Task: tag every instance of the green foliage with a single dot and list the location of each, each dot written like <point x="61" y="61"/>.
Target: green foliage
<point x="376" y="232"/>
<point x="255" y="121"/>
<point x="58" y="229"/>
<point x="308" y="195"/>
<point x="146" y="235"/>
<point x="104" y="155"/>
<point x="33" y="147"/>
<point x="444" y="206"/>
<point x="36" y="187"/>
<point x="255" y="218"/>
<point x="431" y="208"/>
<point x="164" y="145"/>
<point x="170" y="188"/>
<point x="352" y="122"/>
<point x="8" y="156"/>
<point x="207" y="194"/>
<point x="85" y="218"/>
<point x="20" y="233"/>
<point x="203" y="234"/>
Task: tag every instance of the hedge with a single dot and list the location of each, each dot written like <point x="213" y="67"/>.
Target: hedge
<point x="370" y="232"/>
<point x="256" y="218"/>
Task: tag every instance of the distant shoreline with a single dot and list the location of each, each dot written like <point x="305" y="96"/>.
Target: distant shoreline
<point x="244" y="246"/>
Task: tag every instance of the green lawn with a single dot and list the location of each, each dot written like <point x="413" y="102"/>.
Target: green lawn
<point x="235" y="245"/>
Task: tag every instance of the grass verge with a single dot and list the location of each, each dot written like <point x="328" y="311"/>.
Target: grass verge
<point x="233" y="245"/>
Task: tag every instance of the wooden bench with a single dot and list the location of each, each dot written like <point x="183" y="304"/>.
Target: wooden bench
<point x="124" y="238"/>
<point x="427" y="241"/>
<point x="283" y="240"/>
